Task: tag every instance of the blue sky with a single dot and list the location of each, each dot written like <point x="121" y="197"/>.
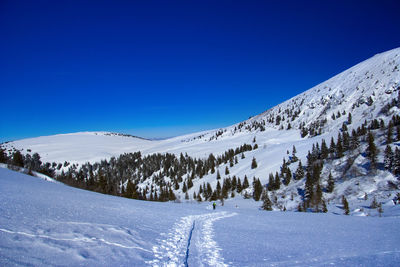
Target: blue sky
<point x="164" y="68"/>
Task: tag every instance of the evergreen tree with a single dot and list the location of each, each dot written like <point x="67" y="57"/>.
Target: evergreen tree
<point x="277" y="182"/>
<point x="18" y="159"/>
<point x="271" y="182"/>
<point x="257" y="189"/>
<point x="345" y="206"/>
<point x="374" y="204"/>
<point x="239" y="186"/>
<point x="349" y="119"/>
<point x="339" y="147"/>
<point x="287" y="177"/>
<point x="331" y="183"/>
<point x="308" y="189"/>
<point x="372" y="150"/>
<point x="324" y="208"/>
<point x="332" y="148"/>
<point x="254" y="163"/>
<point x="299" y="174"/>
<point x="3" y="156"/>
<point x="219" y="175"/>
<point x="102" y="184"/>
<point x="389" y="158"/>
<point x="396" y="162"/>
<point x="267" y="204"/>
<point x="389" y="134"/>
<point x="184" y="188"/>
<point x="317" y="198"/>
<point x="354" y="142"/>
<point x="380" y="209"/>
<point x="186" y="196"/>
<point x="218" y="189"/>
<point x="226" y="170"/>
<point x="130" y="191"/>
<point x="324" y="150"/>
<point x="245" y="183"/>
<point x="189" y="183"/>
<point x="294" y="157"/>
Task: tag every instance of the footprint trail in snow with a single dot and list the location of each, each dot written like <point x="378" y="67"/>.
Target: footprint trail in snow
<point x="191" y="240"/>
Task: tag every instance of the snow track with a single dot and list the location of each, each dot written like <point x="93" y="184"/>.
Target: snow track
<point x="176" y="249"/>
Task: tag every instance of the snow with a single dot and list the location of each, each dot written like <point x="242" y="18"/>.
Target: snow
<point x="50" y="224"/>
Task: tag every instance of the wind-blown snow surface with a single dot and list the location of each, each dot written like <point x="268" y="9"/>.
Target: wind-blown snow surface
<point x="50" y="224"/>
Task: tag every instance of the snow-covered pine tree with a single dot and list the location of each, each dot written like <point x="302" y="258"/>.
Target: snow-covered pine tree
<point x="345" y="205"/>
<point x="267" y="204"/>
<point x="389" y="158"/>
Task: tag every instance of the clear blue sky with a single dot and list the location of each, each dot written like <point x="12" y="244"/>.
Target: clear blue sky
<point x="164" y="68"/>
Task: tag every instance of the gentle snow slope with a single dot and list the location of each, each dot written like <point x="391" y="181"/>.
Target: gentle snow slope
<point x="43" y="224"/>
<point x="80" y="147"/>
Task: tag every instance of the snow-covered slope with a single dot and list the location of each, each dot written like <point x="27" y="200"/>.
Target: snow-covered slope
<point x="50" y="224"/>
<point x="79" y="147"/>
<point x="362" y="90"/>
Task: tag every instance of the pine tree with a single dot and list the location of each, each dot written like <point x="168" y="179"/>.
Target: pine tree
<point x="354" y="142"/>
<point x="349" y="119"/>
<point x="271" y="182"/>
<point x="218" y="189"/>
<point x="308" y="189"/>
<point x="267" y="204"/>
<point x="317" y="198"/>
<point x="3" y="156"/>
<point x="396" y="162"/>
<point x="239" y="187"/>
<point x="254" y="163"/>
<point x="288" y="176"/>
<point x="380" y="209"/>
<point x="277" y="182"/>
<point x="332" y="147"/>
<point x="331" y="183"/>
<point x="189" y="183"/>
<point x="389" y="158"/>
<point x="339" y="147"/>
<point x="299" y="174"/>
<point x="372" y="150"/>
<point x="18" y="159"/>
<point x="374" y="204"/>
<point x="257" y="189"/>
<point x="345" y="206"/>
<point x="245" y="183"/>
<point x="226" y="170"/>
<point x="186" y="196"/>
<point x="389" y="134"/>
<point x="294" y="157"/>
<point x="324" y="208"/>
<point x="324" y="150"/>
<point x="184" y="188"/>
<point x="218" y="175"/>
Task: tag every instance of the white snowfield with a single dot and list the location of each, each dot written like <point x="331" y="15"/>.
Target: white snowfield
<point x="50" y="224"/>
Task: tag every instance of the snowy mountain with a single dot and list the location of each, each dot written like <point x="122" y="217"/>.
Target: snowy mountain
<point x="50" y="224"/>
<point x="352" y="100"/>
